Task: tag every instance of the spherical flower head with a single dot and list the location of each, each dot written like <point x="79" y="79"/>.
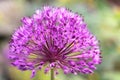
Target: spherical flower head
<point x="54" y="38"/>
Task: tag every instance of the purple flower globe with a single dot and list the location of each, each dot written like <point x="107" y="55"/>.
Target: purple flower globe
<point x="54" y="38"/>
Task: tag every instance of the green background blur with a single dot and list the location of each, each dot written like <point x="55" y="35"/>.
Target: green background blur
<point x="101" y="16"/>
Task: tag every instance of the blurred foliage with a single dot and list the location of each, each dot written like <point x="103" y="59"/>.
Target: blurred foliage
<point x="93" y="76"/>
<point x="102" y="18"/>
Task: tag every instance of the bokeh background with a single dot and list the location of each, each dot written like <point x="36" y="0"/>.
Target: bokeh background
<point x="102" y="17"/>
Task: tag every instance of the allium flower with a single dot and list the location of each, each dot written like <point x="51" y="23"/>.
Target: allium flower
<point x="54" y="38"/>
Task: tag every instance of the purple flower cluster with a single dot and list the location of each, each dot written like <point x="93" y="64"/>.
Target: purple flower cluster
<point x="54" y="38"/>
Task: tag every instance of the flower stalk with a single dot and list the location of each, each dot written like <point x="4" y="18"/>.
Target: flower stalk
<point x="52" y="74"/>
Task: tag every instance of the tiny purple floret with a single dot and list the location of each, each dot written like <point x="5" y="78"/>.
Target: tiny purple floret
<point x="54" y="37"/>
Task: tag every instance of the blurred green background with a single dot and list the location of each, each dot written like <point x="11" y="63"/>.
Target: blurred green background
<point x="101" y="16"/>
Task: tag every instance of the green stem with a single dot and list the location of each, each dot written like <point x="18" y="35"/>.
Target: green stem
<point x="52" y="74"/>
